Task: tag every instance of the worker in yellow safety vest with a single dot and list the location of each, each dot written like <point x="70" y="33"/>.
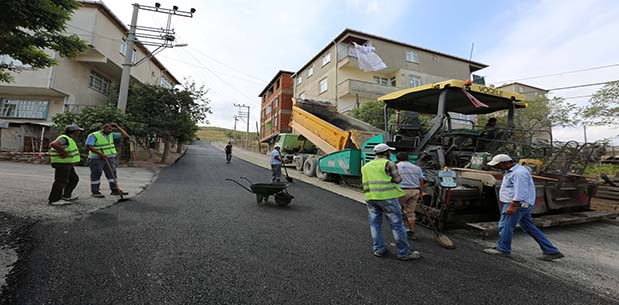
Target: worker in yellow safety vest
<point x="102" y="157"/>
<point x="63" y="155"/>
<point x="380" y="179"/>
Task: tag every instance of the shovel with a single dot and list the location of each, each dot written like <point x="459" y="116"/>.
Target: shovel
<point x="122" y="198"/>
<point x="441" y="238"/>
<point x="288" y="178"/>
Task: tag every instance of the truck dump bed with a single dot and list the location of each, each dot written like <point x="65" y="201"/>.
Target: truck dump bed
<point x="328" y="129"/>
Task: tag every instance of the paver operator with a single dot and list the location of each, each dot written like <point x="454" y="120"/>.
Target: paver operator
<point x="517" y="194"/>
<point x="276" y="164"/>
<point x="412" y="185"/>
<point x="102" y="156"/>
<point x="64" y="154"/>
<point x="380" y="179"/>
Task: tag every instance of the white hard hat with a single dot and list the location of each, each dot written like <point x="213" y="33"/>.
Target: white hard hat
<point x="499" y="158"/>
<point x="277" y="146"/>
<point x="382" y="148"/>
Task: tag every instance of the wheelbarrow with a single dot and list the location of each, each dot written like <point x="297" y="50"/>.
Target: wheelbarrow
<point x="264" y="190"/>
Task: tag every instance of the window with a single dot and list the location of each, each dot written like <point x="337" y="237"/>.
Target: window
<point x="277" y="84"/>
<point x="302" y="96"/>
<point x="99" y="83"/>
<point x="381" y="80"/>
<point x="276" y="102"/>
<point x="310" y="71"/>
<point x="275" y="117"/>
<point x="123" y="46"/>
<point x="326" y="59"/>
<point x="269" y="109"/>
<point x="23" y="108"/>
<point x="163" y="82"/>
<point x="323" y="85"/>
<point x="264" y="113"/>
<point x="299" y="79"/>
<point x="134" y="56"/>
<point x="412" y="56"/>
<point x="392" y="82"/>
<point x="414" y="81"/>
<point x="521" y="89"/>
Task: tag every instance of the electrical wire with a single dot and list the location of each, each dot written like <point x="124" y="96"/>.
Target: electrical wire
<point x="575" y="86"/>
<point x="230" y="67"/>
<point x="222" y="73"/>
<point x="222" y="80"/>
<point x="557" y="74"/>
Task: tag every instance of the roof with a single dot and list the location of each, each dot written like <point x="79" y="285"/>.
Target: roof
<point x="348" y="31"/>
<point x="424" y="99"/>
<point x="100" y="5"/>
<point x="521" y="84"/>
<point x="273" y="80"/>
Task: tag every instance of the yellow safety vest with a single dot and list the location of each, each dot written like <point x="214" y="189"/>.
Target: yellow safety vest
<point x="106" y="146"/>
<point x="70" y="148"/>
<point x="377" y="184"/>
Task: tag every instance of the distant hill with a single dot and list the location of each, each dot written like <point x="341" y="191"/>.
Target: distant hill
<point x="218" y="134"/>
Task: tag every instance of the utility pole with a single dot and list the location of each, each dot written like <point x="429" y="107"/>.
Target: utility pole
<point x="236" y="119"/>
<point x="244" y="116"/>
<point x="584" y="128"/>
<point x="149" y="36"/>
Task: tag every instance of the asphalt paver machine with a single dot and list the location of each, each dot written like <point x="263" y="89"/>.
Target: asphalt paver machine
<point x="452" y="140"/>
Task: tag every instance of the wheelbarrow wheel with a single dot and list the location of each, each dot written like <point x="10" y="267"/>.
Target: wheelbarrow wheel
<point x="283" y="198"/>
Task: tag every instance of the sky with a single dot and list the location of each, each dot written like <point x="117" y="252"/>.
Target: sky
<point x="236" y="46"/>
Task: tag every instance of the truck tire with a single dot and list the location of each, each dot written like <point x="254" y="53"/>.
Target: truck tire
<point x="298" y="162"/>
<point x="309" y="167"/>
<point x="322" y="175"/>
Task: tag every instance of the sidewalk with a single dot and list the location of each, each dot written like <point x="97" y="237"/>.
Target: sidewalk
<point x="26" y="186"/>
<point x="262" y="160"/>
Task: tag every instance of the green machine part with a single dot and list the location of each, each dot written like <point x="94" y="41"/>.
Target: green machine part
<point x="344" y="162"/>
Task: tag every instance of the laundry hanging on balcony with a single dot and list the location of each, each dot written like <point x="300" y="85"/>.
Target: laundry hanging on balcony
<point x="367" y="58"/>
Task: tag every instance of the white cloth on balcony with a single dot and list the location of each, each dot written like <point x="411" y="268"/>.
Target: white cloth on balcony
<point x="368" y="59"/>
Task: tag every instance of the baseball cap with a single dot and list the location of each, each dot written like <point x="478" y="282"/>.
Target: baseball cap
<point x="382" y="148"/>
<point x="276" y="146"/>
<point x="499" y="158"/>
<point x="74" y="128"/>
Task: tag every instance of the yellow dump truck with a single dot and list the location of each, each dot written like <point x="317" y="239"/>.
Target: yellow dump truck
<point x="335" y="134"/>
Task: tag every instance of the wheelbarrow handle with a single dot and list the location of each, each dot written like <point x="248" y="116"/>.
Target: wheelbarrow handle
<point x="245" y="178"/>
<point x="249" y="190"/>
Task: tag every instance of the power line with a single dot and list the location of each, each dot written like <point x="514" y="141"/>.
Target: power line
<point x="573" y="97"/>
<point x="230" y="67"/>
<point x="558" y="73"/>
<point x="222" y="80"/>
<point x="574" y="87"/>
<point x="222" y="73"/>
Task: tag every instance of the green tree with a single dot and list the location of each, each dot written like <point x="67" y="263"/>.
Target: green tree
<point x="603" y="108"/>
<point x="172" y="114"/>
<point x="371" y="113"/>
<point x="30" y="27"/>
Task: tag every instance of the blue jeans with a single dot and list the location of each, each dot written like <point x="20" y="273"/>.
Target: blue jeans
<point x="98" y="166"/>
<point x="276" y="172"/>
<point x="507" y="224"/>
<point x="391" y="209"/>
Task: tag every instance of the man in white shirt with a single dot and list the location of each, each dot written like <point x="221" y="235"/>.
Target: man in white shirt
<point x="412" y="185"/>
<point x="276" y="164"/>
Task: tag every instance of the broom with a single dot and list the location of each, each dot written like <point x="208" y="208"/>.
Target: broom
<point x="441" y="238"/>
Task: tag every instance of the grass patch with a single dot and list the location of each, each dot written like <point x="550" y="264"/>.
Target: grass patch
<point x="610" y="169"/>
<point x="218" y="134"/>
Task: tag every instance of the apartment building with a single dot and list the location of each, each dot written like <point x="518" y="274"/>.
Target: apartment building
<point x="333" y="74"/>
<point x="28" y="104"/>
<point x="530" y="92"/>
<point x="276" y="106"/>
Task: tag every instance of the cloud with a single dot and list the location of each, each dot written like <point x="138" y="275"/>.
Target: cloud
<point x="546" y="37"/>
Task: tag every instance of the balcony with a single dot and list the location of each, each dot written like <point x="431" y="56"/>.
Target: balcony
<point x="365" y="90"/>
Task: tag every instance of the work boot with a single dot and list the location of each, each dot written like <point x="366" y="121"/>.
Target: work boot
<point x="381" y="253"/>
<point x="495" y="251"/>
<point x="551" y="257"/>
<point x="118" y="193"/>
<point x="69" y="198"/>
<point x="414" y="255"/>
<point x="60" y="202"/>
<point x="97" y="195"/>
<point x="411" y="235"/>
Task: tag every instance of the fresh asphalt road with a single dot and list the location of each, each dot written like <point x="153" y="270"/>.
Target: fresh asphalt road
<point x="194" y="238"/>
